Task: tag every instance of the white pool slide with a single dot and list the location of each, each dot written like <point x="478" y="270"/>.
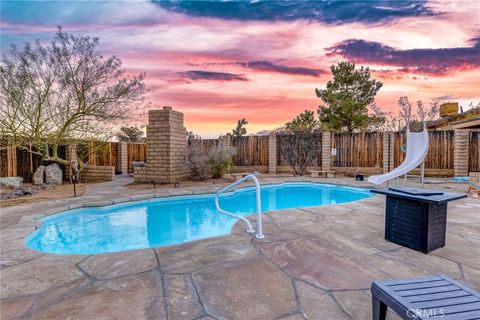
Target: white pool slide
<point x="417" y="148"/>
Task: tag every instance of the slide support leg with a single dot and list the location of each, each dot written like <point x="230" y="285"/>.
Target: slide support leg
<point x="423" y="174"/>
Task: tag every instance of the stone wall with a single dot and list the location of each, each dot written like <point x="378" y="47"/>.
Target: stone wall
<point x="388" y="156"/>
<point x="97" y="173"/>
<point x="122" y="158"/>
<point x="272" y="153"/>
<point x="326" y="152"/>
<point x="166" y="148"/>
<point x="460" y="152"/>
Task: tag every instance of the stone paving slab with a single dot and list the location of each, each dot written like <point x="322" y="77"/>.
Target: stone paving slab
<point x="252" y="289"/>
<point x="38" y="275"/>
<point x="112" y="265"/>
<point x="130" y="297"/>
<point x="312" y="298"/>
<point x="182" y="297"/>
<point x="200" y="254"/>
<point x="321" y="263"/>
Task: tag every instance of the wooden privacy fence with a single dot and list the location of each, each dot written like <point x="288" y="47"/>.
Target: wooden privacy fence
<point x="251" y="151"/>
<point x="440" y="151"/>
<point x="357" y="149"/>
<point x="109" y="156"/>
<point x="99" y="155"/>
<point x="19" y="162"/>
<point x="474" y="151"/>
<point x="210" y="143"/>
<point x="353" y="150"/>
<point x="104" y="157"/>
<point x="22" y="163"/>
<point x="135" y="152"/>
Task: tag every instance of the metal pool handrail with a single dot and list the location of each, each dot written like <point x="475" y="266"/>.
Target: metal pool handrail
<point x="252" y="177"/>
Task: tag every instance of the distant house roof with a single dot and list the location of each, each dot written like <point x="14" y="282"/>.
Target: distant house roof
<point x="467" y="124"/>
<point x="469" y="119"/>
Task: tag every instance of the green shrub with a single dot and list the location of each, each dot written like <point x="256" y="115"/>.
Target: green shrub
<point x="220" y="161"/>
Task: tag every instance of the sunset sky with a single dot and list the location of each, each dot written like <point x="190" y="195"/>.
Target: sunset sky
<point x="218" y="61"/>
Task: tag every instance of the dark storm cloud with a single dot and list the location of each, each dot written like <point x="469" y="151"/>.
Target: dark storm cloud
<point x="434" y="61"/>
<point x="272" y="67"/>
<point x="211" y="76"/>
<point x="332" y="12"/>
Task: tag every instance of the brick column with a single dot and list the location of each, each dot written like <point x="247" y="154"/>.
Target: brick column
<point x="272" y="153"/>
<point x="166" y="147"/>
<point x="387" y="136"/>
<point x="326" y="158"/>
<point x="122" y="158"/>
<point x="460" y="152"/>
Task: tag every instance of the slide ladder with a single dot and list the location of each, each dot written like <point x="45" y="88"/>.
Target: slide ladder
<point x="250" y="229"/>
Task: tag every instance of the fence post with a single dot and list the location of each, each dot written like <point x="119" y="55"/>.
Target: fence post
<point x="460" y="152"/>
<point x="326" y="158"/>
<point x="122" y="157"/>
<point x="272" y="153"/>
<point x="387" y="152"/>
<point x="11" y="161"/>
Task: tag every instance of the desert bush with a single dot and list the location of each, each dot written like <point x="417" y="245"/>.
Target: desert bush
<point x="205" y="162"/>
<point x="220" y="160"/>
<point x="198" y="166"/>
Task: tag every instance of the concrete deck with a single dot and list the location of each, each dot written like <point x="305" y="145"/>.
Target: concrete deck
<point x="315" y="263"/>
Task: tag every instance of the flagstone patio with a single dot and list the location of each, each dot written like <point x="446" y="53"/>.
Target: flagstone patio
<point x="315" y="263"/>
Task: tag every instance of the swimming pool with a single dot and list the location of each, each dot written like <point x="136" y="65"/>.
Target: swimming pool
<point x="172" y="220"/>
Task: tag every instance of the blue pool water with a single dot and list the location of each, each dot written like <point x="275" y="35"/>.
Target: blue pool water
<point x="167" y="221"/>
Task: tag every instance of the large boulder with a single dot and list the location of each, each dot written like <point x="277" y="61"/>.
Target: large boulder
<point x="53" y="174"/>
<point x="11" y="182"/>
<point x="38" y="176"/>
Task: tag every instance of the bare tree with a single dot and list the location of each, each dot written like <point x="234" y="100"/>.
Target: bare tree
<point x="388" y="121"/>
<point x="63" y="92"/>
<point x="427" y="113"/>
<point x="415" y="119"/>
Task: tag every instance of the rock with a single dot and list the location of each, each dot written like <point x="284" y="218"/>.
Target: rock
<point x="38" y="176"/>
<point x="53" y="174"/>
<point x="11" y="182"/>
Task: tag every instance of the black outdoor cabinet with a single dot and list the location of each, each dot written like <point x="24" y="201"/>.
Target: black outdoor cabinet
<point x="417" y="218"/>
